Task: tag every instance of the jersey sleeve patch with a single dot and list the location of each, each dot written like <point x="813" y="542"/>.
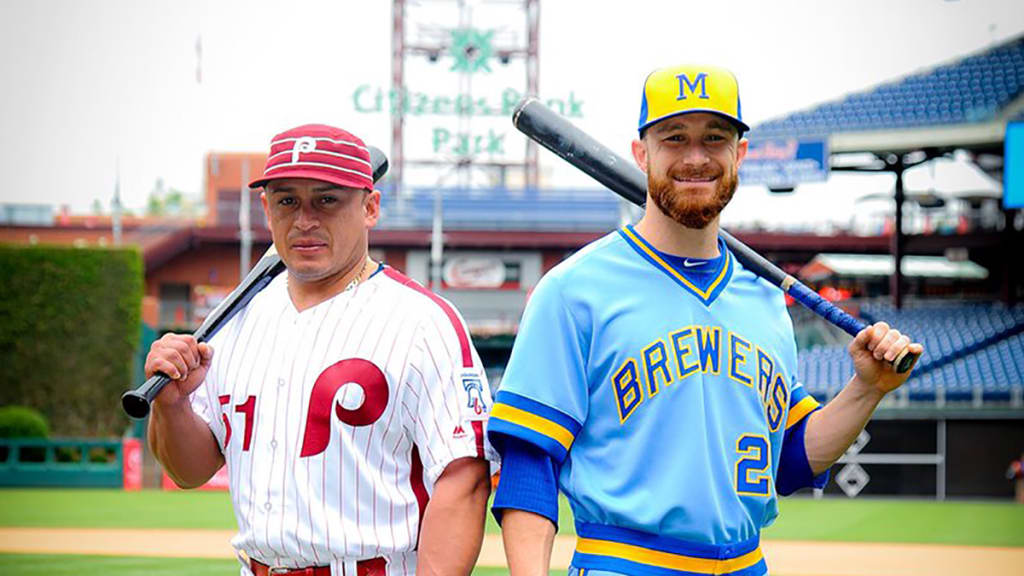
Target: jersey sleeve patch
<point x="474" y="394"/>
<point x="545" y="427"/>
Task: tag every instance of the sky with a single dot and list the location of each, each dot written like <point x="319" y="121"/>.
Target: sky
<point x="100" y="90"/>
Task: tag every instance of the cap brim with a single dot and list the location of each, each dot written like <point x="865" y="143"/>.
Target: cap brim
<point x="739" y="125"/>
<point x="340" y="179"/>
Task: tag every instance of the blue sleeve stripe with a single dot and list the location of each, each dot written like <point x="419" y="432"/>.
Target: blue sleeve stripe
<point x="542" y="410"/>
<point x="794" y="470"/>
<point x="527" y="482"/>
<point x="497" y="426"/>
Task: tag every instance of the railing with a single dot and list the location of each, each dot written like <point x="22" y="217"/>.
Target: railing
<point x="70" y="462"/>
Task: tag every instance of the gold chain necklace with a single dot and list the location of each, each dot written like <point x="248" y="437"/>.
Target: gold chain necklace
<point x="355" y="281"/>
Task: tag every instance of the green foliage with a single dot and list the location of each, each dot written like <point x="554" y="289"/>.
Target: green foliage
<point x="22" y="422"/>
<point x="69" y="326"/>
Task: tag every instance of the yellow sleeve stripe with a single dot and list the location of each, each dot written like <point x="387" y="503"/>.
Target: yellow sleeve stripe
<point x="556" y="432"/>
<point x="667" y="559"/>
<point x="802" y="408"/>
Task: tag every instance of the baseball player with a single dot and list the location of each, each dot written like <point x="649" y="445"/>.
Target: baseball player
<point x="347" y="401"/>
<point x="654" y="379"/>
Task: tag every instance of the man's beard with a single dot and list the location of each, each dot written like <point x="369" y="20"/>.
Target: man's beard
<point x="690" y="211"/>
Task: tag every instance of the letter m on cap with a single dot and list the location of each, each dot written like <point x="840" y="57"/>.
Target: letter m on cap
<point x="685" y="84"/>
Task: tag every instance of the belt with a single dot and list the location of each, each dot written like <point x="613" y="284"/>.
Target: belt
<point x="371" y="567"/>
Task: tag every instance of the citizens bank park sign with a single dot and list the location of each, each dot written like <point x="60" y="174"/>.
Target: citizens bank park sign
<point x="472" y="53"/>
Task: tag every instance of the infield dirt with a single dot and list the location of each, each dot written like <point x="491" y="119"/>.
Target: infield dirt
<point x="785" y="557"/>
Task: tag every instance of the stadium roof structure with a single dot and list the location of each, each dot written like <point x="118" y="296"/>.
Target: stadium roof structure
<point x="881" y="265"/>
<point x="961" y="105"/>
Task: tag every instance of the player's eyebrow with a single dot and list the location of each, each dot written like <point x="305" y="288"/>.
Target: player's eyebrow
<point x="329" y="188"/>
<point x="318" y="189"/>
<point x="667" y="126"/>
<point x="720" y="125"/>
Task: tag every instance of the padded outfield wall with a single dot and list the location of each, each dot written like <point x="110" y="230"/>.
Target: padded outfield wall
<point x="954" y="453"/>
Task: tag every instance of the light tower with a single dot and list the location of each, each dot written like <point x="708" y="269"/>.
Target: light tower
<point x="427" y="32"/>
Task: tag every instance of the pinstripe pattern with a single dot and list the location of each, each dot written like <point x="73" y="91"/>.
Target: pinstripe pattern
<point x="354" y="499"/>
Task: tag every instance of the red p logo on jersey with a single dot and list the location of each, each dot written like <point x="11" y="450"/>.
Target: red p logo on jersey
<point x="356" y="371"/>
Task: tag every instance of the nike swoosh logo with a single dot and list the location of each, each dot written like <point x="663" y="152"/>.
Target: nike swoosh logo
<point x="690" y="264"/>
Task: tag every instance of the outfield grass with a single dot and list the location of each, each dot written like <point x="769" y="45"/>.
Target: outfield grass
<point x="116" y="509"/>
<point x="39" y="565"/>
<point x="896" y="520"/>
<point x="861" y="520"/>
<point x="68" y="565"/>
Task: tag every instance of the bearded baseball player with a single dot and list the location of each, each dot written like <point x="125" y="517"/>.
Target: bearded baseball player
<point x="347" y="401"/>
<point x="654" y="379"/>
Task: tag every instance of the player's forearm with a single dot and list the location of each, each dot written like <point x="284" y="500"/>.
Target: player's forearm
<point x="831" y="430"/>
<point x="183" y="444"/>
<point x="453" y="523"/>
<point x="528" y="538"/>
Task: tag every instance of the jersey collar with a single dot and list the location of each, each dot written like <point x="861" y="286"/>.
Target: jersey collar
<point x="706" y="287"/>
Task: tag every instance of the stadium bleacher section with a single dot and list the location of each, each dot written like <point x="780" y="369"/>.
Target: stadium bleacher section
<point x="974" y="353"/>
<point x="973" y="89"/>
<point x="505" y="209"/>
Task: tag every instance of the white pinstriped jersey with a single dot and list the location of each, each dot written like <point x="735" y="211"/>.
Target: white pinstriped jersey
<point x="335" y="422"/>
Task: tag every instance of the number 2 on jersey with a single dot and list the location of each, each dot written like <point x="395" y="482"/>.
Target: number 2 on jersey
<point x="752" y="475"/>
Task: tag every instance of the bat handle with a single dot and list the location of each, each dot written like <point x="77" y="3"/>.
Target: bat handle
<point x="834" y="314"/>
<point x="136" y="402"/>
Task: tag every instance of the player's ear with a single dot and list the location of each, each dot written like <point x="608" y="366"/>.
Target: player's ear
<point x="266" y="207"/>
<point x="741" y="151"/>
<point x="640" y="154"/>
<point x="371" y="208"/>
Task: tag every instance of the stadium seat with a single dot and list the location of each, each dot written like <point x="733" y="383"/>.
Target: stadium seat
<point x="974" y="353"/>
<point x="981" y="86"/>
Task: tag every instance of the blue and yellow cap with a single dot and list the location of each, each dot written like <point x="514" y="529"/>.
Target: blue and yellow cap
<point x="684" y="89"/>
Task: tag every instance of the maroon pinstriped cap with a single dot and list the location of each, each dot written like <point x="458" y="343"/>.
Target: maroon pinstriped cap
<point x="318" y="152"/>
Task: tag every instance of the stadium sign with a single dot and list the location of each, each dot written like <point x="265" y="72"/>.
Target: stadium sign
<point x="471" y="52"/>
<point x="785" y="162"/>
<point x="1013" y="166"/>
<point x="369" y="99"/>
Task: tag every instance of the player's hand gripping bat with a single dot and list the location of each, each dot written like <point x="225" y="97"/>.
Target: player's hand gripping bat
<point x="136" y="402"/>
<point x="624" y="178"/>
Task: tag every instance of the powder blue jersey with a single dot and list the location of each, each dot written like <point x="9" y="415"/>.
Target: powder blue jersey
<point x="665" y="397"/>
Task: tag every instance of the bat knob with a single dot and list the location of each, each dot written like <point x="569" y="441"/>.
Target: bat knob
<point x="135" y="405"/>
<point x="905" y="361"/>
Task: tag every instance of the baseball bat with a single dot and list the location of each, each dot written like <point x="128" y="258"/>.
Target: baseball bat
<point x="624" y="178"/>
<point x="136" y="403"/>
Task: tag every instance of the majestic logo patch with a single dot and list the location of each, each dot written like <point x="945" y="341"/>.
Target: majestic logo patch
<point x="459" y="431"/>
